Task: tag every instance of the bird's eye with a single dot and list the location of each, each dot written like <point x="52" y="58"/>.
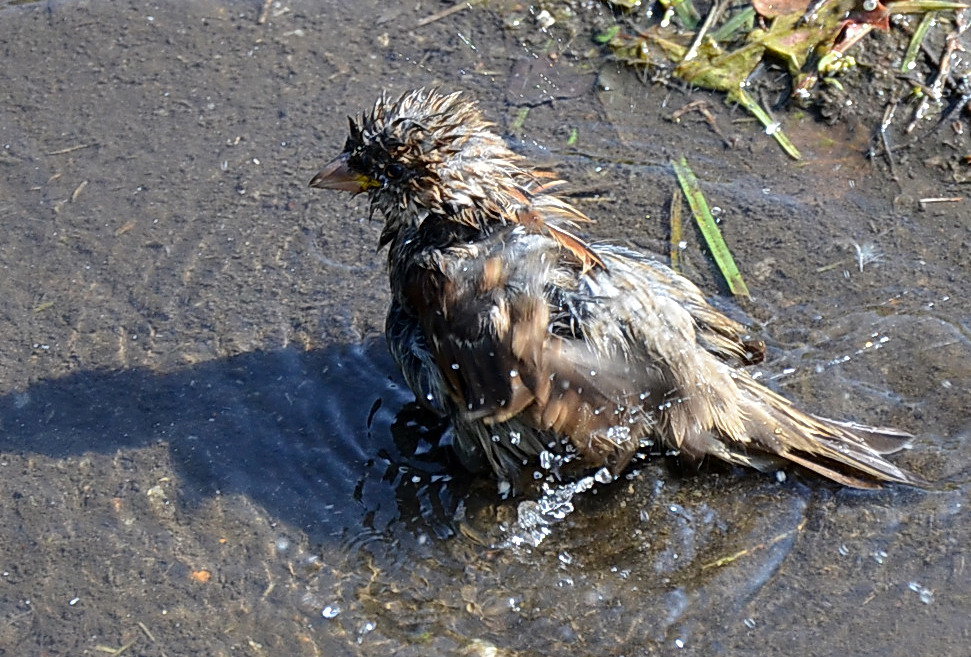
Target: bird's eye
<point x="395" y="170"/>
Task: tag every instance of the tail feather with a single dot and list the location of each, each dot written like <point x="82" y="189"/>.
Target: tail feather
<point x="846" y="452"/>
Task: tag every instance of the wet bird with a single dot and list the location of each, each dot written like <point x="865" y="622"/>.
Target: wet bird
<point x="541" y="346"/>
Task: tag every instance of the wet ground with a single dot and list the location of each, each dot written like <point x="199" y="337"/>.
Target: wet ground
<point x="205" y="449"/>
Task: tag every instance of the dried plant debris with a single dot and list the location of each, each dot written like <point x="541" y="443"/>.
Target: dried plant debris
<point x="720" y="47"/>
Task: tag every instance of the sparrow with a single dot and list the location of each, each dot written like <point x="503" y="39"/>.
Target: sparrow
<point x="541" y="346"/>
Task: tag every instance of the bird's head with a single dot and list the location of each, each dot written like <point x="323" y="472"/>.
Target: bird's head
<point x="425" y="153"/>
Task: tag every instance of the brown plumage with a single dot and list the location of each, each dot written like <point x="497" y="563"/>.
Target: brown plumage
<point x="532" y="340"/>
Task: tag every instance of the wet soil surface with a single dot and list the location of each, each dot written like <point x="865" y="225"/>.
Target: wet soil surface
<point x="206" y="450"/>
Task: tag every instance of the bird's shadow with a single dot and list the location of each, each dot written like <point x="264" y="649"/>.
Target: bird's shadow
<point x="324" y="440"/>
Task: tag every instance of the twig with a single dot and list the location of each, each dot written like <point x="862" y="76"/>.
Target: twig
<point x="940" y="199"/>
<point x="265" y="12"/>
<point x="445" y="13"/>
<point x="116" y="651"/>
<point x="78" y="190"/>
<point x="151" y="637"/>
<point x="703" y="108"/>
<point x="71" y="149"/>
<point x="147" y="632"/>
<point x="713" y="15"/>
<point x="884" y="125"/>
<point x="934" y="93"/>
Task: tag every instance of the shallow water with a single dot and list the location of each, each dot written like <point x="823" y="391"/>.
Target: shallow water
<point x="205" y="448"/>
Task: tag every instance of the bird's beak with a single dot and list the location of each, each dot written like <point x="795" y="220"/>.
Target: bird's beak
<point x="338" y="175"/>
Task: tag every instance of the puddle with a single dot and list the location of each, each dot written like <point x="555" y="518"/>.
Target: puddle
<point x="206" y="449"/>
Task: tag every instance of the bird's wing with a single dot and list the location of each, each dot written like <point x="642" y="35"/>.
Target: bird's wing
<point x="408" y="346"/>
<point x="717" y="333"/>
<point x="665" y="330"/>
<point x="487" y="317"/>
<point x="485" y="320"/>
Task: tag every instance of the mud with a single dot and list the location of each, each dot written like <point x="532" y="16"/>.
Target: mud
<point x="205" y="449"/>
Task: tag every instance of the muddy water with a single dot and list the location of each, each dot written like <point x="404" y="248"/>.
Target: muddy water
<point x="206" y="450"/>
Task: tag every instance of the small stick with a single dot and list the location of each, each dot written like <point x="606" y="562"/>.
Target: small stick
<point x="445" y="13"/>
<point x="265" y="12"/>
<point x="147" y="632"/>
<point x="703" y="108"/>
<point x="78" y="190"/>
<point x="677" y="114"/>
<point x="884" y="125"/>
<point x="72" y="149"/>
<point x="116" y="651"/>
<point x="713" y="15"/>
<point x="151" y="637"/>
<point x="941" y="199"/>
<point x="951" y="44"/>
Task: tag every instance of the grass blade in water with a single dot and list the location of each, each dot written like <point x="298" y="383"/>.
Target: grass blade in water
<point x="706" y="222"/>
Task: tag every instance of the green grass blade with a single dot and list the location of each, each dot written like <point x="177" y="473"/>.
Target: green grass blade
<point x="706" y="222"/>
<point x="742" y="19"/>
<point x="910" y="57"/>
<point x="772" y="127"/>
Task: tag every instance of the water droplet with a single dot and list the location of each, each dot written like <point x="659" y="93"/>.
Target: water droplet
<point x="545" y="460"/>
<point x="603" y="476"/>
<point x="926" y="595"/>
